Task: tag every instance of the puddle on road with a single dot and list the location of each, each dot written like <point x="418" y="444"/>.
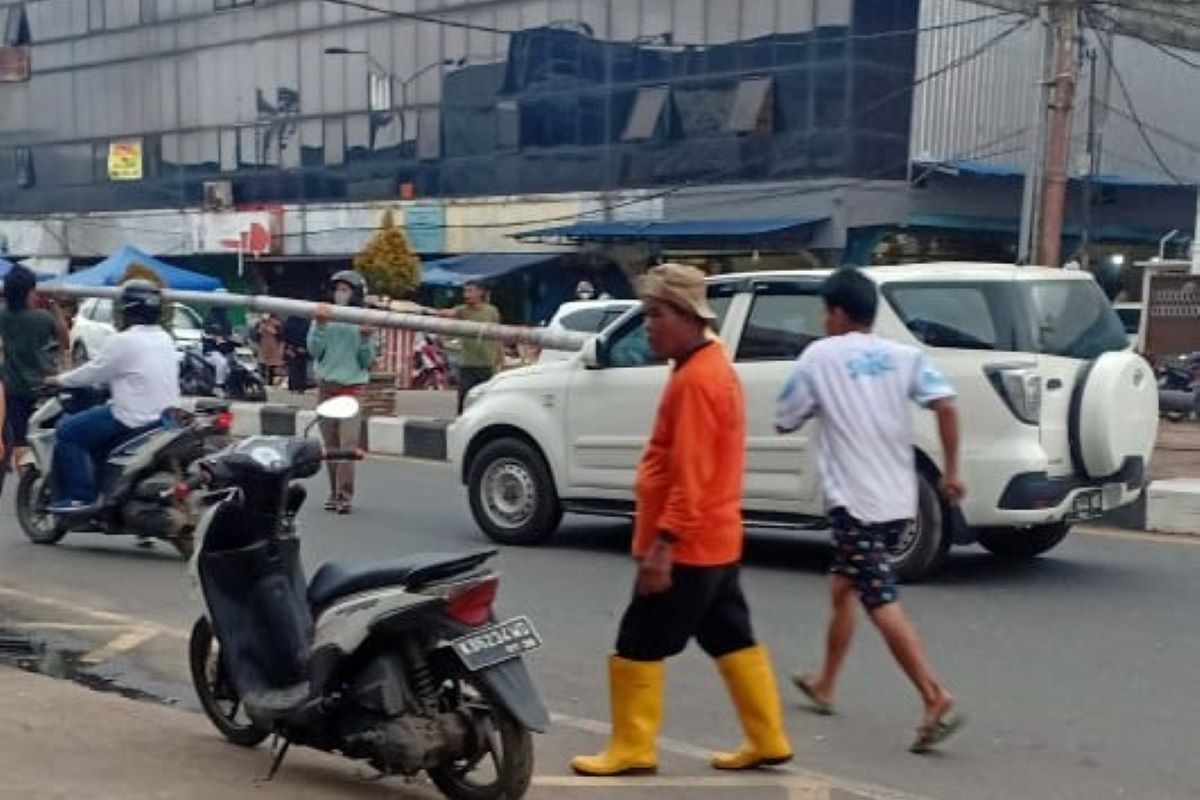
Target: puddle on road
<point x="61" y="658"/>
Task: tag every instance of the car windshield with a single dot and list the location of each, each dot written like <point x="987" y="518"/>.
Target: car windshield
<point x="184" y="319"/>
<point x="1074" y="319"/>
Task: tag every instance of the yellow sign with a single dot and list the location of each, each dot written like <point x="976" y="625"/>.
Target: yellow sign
<point x="125" y="160"/>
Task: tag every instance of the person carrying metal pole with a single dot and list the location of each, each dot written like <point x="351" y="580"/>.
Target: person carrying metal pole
<point x="343" y="354"/>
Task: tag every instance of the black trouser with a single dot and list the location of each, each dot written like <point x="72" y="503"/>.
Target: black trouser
<point x="705" y="602"/>
<point x="297" y="370"/>
<point x="468" y="379"/>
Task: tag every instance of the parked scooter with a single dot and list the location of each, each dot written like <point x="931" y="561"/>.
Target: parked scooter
<point x="398" y="663"/>
<point x="132" y="477"/>
<point x="431" y="370"/>
<point x="236" y="370"/>
<point x="197" y="376"/>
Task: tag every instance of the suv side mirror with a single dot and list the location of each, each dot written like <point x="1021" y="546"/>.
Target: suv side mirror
<point x="590" y="353"/>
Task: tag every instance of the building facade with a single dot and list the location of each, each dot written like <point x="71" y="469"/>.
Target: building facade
<point x="194" y="128"/>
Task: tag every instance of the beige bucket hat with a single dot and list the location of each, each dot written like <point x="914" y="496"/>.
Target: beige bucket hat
<point x="680" y="285"/>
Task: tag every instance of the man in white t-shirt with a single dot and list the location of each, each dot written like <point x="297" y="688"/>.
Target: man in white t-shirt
<point x="140" y="367"/>
<point x="860" y="386"/>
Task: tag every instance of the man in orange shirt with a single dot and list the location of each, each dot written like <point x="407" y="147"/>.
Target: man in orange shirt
<point x="688" y="542"/>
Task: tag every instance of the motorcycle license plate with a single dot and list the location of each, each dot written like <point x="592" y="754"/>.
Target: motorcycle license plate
<point x="497" y="643"/>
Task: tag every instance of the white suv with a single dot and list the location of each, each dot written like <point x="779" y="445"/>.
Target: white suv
<point x="1058" y="418"/>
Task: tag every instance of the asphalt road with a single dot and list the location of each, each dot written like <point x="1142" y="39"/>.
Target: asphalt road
<point x="1078" y="671"/>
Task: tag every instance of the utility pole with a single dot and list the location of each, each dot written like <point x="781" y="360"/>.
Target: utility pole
<point x="1064" y="17"/>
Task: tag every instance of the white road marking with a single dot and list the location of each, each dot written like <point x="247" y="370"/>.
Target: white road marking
<point x="130" y="640"/>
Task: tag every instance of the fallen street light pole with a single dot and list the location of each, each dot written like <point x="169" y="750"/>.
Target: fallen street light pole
<point x="378" y="318"/>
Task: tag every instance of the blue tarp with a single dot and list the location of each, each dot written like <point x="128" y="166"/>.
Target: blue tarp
<point x="688" y="229"/>
<point x="111" y="270"/>
<point x="457" y="270"/>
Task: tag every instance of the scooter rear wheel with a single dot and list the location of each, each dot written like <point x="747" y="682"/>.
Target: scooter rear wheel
<point x="501" y="768"/>
<point x="216" y="692"/>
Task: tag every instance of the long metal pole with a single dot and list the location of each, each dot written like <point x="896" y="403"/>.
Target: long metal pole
<point x="285" y="307"/>
<point x="1058" y="147"/>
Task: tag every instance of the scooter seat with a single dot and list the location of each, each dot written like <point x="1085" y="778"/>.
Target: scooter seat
<point x="334" y="580"/>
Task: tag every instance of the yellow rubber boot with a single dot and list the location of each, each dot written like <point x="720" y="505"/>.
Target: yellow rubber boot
<point x="751" y="683"/>
<point x="636" y="696"/>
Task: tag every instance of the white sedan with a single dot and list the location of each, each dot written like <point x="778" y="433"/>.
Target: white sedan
<point x="93" y="326"/>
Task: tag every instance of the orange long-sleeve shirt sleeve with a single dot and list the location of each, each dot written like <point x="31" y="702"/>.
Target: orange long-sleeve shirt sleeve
<point x="690" y="477"/>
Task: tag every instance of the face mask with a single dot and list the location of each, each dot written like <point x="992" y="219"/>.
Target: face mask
<point x="342" y="297"/>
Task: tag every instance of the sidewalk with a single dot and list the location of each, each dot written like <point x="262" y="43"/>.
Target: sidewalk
<point x="59" y="740"/>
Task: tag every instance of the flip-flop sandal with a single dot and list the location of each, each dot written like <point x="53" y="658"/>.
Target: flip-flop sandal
<point x="816" y="705"/>
<point x="931" y="735"/>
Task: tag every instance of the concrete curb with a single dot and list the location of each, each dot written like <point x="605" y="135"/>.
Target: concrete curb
<point x="1169" y="506"/>
<point x="391" y="436"/>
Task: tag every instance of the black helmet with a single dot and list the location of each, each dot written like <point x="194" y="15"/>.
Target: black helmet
<point x="355" y="281"/>
<point x="141" y="303"/>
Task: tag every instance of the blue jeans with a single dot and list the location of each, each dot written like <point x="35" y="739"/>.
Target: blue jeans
<point x="79" y="440"/>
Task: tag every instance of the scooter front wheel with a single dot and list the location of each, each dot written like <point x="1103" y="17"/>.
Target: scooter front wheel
<point x="39" y="526"/>
<point x="216" y="691"/>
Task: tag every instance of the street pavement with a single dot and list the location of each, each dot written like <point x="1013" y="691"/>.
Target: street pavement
<point x="1078" y="670"/>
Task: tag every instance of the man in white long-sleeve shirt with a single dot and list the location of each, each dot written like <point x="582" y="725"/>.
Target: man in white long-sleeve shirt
<point x="141" y="368"/>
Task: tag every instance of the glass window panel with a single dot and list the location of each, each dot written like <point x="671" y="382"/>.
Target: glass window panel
<point x="780" y="326"/>
<point x="752" y="106"/>
<point x="647" y="111"/>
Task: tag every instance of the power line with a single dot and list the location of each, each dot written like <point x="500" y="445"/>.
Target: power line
<point x="1133" y="114"/>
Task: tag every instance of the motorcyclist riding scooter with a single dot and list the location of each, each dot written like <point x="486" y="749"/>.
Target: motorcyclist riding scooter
<point x="141" y="369"/>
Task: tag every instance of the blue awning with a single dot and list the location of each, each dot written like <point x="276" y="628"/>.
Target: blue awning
<point x="693" y="230"/>
<point x="457" y="270"/>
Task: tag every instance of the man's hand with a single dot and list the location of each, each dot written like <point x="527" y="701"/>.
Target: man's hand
<point x="366" y="330"/>
<point x="322" y="314"/>
<point x="654" y="572"/>
<point x="52" y="382"/>
<point x="953" y="489"/>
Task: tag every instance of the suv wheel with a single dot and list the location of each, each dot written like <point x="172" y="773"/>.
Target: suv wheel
<point x="512" y="494"/>
<point x="1023" y="542"/>
<point x="919" y="551"/>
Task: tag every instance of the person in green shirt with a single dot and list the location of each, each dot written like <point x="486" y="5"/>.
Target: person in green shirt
<point x="343" y="355"/>
<point x="33" y="341"/>
<point x="480" y="357"/>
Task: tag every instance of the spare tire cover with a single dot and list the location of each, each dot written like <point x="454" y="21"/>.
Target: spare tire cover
<point x="1115" y="415"/>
